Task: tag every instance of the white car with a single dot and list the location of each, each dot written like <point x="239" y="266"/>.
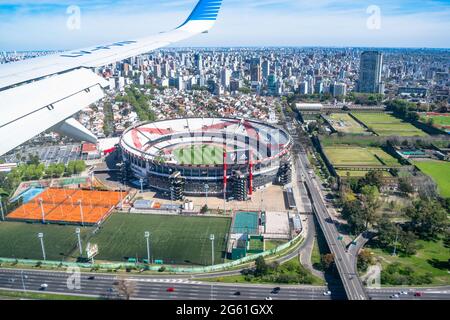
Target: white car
<point x="269" y="298"/>
<point x="327" y="293"/>
<point x="44" y="286"/>
<point x="394" y="296"/>
<point x="404" y="292"/>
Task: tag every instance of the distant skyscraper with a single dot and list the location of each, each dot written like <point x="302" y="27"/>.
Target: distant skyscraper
<point x="370" y="72"/>
<point x="255" y="70"/>
<point x="198" y="60"/>
<point x="265" y="69"/>
<point x="225" y="76"/>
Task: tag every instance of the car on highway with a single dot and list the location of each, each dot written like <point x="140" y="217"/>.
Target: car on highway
<point x="327" y="293"/>
<point x="418" y="294"/>
<point x="395" y="295"/>
<point x="237" y="293"/>
<point x="269" y="298"/>
<point x="91" y="278"/>
<point x="171" y="289"/>
<point x="275" y="290"/>
<point x="43" y="286"/>
<point x="403" y="292"/>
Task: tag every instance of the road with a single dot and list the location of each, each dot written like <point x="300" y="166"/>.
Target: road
<point x="155" y="288"/>
<point x="347" y="269"/>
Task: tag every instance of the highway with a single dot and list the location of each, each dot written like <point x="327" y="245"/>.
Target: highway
<point x="345" y="264"/>
<point x="155" y="288"/>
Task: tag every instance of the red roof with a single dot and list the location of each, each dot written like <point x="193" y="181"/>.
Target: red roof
<point x="88" y="147"/>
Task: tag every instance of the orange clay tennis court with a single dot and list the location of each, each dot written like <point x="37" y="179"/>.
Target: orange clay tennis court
<point x="63" y="205"/>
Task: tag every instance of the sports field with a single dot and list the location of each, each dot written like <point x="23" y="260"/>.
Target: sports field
<point x="440" y="121"/>
<point x="343" y="122"/>
<point x="439" y="171"/>
<point x="64" y="205"/>
<point x="357" y="156"/>
<point x="201" y="154"/>
<point x="174" y="239"/>
<point x="385" y="124"/>
<point x="20" y="240"/>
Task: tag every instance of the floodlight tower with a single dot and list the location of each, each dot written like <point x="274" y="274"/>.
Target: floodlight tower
<point x="141" y="181"/>
<point x="211" y="237"/>
<point x="147" y="238"/>
<point x="78" y="231"/>
<point x="41" y="238"/>
<point x="42" y="209"/>
<point x="81" y="213"/>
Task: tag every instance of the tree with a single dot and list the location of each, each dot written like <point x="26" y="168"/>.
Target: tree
<point x="372" y="178"/>
<point x="353" y="212"/>
<point x="387" y="232"/>
<point x="407" y="242"/>
<point x="126" y="288"/>
<point x="370" y="203"/>
<point x="405" y="185"/>
<point x="261" y="268"/>
<point x="428" y="218"/>
<point x="204" y="209"/>
<point x="365" y="259"/>
<point x="327" y="261"/>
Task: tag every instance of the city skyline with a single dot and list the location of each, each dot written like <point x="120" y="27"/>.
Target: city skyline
<point x="292" y="23"/>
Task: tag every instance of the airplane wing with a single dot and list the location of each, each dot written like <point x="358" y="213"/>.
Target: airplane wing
<point x="45" y="92"/>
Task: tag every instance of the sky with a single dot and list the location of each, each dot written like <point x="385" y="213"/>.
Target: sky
<point x="43" y="24"/>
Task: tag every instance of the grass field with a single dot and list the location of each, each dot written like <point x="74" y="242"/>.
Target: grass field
<point x="432" y="257"/>
<point x="439" y="121"/>
<point x="174" y="239"/>
<point x="385" y="124"/>
<point x="359" y="173"/>
<point x="19" y="240"/>
<point x="199" y="155"/>
<point x="439" y="171"/>
<point x="357" y="156"/>
<point x="343" y="122"/>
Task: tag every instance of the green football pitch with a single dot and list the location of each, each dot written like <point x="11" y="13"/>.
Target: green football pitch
<point x="20" y="240"/>
<point x="173" y="239"/>
<point x="201" y="154"/>
<point x="385" y="124"/>
<point x="439" y="171"/>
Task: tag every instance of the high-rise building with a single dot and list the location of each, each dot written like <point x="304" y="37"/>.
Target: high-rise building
<point x="370" y="72"/>
<point x="338" y="89"/>
<point x="255" y="70"/>
<point x="225" y="76"/>
<point x="265" y="69"/>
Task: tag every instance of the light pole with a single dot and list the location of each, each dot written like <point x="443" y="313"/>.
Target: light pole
<point x="211" y="237"/>
<point x="147" y="238"/>
<point x="141" y="181"/>
<point x="81" y="213"/>
<point x="42" y="209"/>
<point x="41" y="238"/>
<point x="206" y="190"/>
<point x="78" y="231"/>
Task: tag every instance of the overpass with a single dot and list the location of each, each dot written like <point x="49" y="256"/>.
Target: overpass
<point x="353" y="286"/>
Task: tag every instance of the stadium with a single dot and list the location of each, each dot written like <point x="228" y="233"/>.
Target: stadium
<point x="217" y="156"/>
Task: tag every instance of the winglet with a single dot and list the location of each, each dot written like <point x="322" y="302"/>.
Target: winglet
<point x="202" y="17"/>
